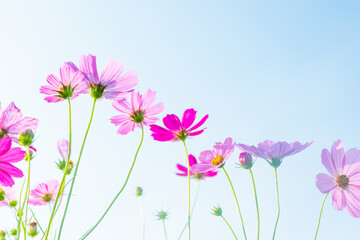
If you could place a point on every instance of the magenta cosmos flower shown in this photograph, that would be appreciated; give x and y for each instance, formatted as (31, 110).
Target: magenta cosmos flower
(111, 84)
(274, 152)
(12, 123)
(10, 193)
(212, 160)
(344, 179)
(184, 171)
(68, 86)
(176, 129)
(44, 193)
(139, 110)
(8, 156)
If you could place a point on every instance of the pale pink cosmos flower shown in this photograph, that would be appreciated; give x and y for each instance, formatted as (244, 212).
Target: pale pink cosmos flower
(44, 193)
(274, 152)
(68, 86)
(111, 84)
(12, 123)
(176, 129)
(10, 193)
(63, 147)
(8, 156)
(184, 171)
(212, 160)
(344, 179)
(139, 110)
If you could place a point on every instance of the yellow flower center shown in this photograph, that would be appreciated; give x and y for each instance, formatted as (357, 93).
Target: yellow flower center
(342, 181)
(47, 197)
(217, 160)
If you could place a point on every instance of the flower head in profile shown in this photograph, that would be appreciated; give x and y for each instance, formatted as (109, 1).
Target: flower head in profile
(10, 193)
(68, 86)
(8, 156)
(12, 123)
(178, 130)
(344, 178)
(63, 147)
(111, 84)
(184, 172)
(162, 215)
(212, 160)
(44, 193)
(136, 112)
(274, 152)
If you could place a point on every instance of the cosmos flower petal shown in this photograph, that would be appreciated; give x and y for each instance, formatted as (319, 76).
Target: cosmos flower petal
(122, 106)
(11, 170)
(352, 204)
(192, 160)
(5, 145)
(338, 154)
(199, 124)
(111, 71)
(135, 101)
(355, 179)
(13, 155)
(206, 157)
(324, 183)
(148, 99)
(5, 179)
(196, 133)
(155, 109)
(172, 122)
(188, 118)
(328, 162)
(338, 199)
(119, 119)
(351, 162)
(87, 65)
(126, 128)
(10, 116)
(201, 168)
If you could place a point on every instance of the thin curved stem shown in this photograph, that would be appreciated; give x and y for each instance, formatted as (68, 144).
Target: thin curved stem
(237, 202)
(123, 187)
(278, 203)
(76, 169)
(62, 184)
(229, 226)
(164, 228)
(28, 185)
(318, 225)
(142, 218)
(257, 205)
(193, 208)
(188, 177)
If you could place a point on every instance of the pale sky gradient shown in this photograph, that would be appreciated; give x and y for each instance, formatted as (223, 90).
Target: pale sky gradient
(279, 70)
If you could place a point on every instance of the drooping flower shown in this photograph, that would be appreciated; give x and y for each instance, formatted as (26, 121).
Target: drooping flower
(68, 86)
(184, 171)
(274, 152)
(8, 156)
(212, 160)
(111, 84)
(176, 129)
(139, 110)
(12, 123)
(344, 179)
(44, 193)
(10, 193)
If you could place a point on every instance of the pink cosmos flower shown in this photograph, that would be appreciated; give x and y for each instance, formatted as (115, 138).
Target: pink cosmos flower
(184, 171)
(10, 195)
(44, 193)
(176, 129)
(9, 155)
(139, 110)
(212, 160)
(344, 179)
(274, 152)
(12, 123)
(69, 85)
(111, 84)
(63, 147)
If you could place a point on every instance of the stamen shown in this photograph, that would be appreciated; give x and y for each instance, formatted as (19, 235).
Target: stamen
(342, 181)
(217, 160)
(47, 197)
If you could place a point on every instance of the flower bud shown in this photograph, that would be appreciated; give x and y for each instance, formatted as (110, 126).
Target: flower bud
(26, 138)
(139, 191)
(2, 235)
(162, 215)
(13, 232)
(13, 203)
(217, 211)
(97, 91)
(2, 195)
(33, 229)
(245, 160)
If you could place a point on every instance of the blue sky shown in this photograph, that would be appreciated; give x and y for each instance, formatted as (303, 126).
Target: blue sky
(280, 70)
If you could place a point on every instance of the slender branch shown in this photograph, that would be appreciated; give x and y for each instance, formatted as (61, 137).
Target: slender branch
(318, 225)
(257, 205)
(229, 226)
(278, 203)
(188, 177)
(164, 228)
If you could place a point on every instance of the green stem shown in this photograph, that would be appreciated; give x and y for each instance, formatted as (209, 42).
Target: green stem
(164, 228)
(188, 177)
(318, 225)
(229, 226)
(193, 208)
(278, 203)
(62, 184)
(142, 218)
(123, 187)
(20, 212)
(28, 184)
(257, 205)
(237, 202)
(76, 169)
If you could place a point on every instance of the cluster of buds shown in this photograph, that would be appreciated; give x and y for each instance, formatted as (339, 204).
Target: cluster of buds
(217, 211)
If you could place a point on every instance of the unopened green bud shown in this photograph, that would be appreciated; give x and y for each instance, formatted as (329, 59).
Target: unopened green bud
(2, 195)
(61, 164)
(97, 91)
(13, 203)
(26, 138)
(13, 232)
(33, 229)
(217, 211)
(139, 191)
(162, 215)
(2, 235)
